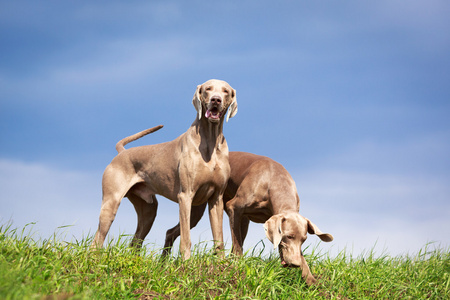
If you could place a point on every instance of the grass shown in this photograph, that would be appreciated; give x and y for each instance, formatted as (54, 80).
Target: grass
(53, 269)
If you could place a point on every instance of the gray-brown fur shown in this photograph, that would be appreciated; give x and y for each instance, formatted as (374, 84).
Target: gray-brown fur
(262, 190)
(193, 169)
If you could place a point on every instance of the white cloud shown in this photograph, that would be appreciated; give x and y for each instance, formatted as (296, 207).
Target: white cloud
(398, 213)
(33, 192)
(392, 215)
(50, 197)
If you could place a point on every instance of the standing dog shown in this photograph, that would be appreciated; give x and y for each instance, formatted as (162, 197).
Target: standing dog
(192, 169)
(261, 190)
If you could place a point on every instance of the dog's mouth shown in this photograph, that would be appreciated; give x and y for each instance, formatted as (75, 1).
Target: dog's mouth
(213, 113)
(283, 261)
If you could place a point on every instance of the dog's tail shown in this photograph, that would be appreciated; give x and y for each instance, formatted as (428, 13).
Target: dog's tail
(120, 145)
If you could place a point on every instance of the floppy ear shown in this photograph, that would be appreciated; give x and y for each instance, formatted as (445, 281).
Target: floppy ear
(232, 110)
(272, 227)
(313, 229)
(196, 101)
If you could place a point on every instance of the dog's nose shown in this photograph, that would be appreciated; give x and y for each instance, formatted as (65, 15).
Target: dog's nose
(216, 99)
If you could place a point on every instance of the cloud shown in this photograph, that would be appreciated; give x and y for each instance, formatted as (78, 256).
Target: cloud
(358, 98)
(419, 154)
(51, 197)
(33, 192)
(392, 215)
(399, 213)
(398, 206)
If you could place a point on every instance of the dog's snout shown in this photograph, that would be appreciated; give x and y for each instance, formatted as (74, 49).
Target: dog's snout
(216, 99)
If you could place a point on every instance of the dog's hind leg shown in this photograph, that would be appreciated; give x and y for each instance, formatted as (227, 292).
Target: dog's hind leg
(146, 214)
(174, 232)
(235, 217)
(115, 185)
(244, 230)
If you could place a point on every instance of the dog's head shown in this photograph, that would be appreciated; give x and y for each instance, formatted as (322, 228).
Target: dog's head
(288, 231)
(213, 98)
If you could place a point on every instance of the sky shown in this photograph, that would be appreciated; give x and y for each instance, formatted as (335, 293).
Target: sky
(352, 98)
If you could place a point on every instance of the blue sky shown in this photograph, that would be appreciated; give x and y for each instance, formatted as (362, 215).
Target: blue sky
(352, 98)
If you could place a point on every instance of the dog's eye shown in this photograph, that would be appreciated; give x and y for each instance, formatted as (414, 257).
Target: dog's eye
(290, 237)
(226, 91)
(209, 88)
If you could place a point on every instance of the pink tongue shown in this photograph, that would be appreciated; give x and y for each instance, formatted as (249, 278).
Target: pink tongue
(208, 114)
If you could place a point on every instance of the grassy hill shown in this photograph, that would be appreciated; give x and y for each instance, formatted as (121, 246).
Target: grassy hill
(53, 269)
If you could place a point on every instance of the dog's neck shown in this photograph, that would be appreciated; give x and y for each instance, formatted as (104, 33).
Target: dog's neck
(285, 206)
(210, 136)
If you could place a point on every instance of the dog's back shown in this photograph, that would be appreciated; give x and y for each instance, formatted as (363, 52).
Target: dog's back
(264, 171)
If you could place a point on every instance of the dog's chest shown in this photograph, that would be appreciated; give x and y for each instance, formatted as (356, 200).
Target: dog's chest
(209, 178)
(216, 172)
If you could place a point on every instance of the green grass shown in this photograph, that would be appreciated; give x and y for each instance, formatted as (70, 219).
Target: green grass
(53, 269)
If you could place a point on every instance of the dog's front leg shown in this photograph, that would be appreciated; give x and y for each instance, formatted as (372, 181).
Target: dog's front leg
(215, 205)
(185, 202)
(306, 272)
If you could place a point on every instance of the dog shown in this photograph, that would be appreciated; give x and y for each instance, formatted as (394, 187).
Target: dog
(262, 191)
(191, 170)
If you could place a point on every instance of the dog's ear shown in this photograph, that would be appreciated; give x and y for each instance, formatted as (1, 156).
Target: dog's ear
(273, 230)
(313, 229)
(197, 102)
(232, 110)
